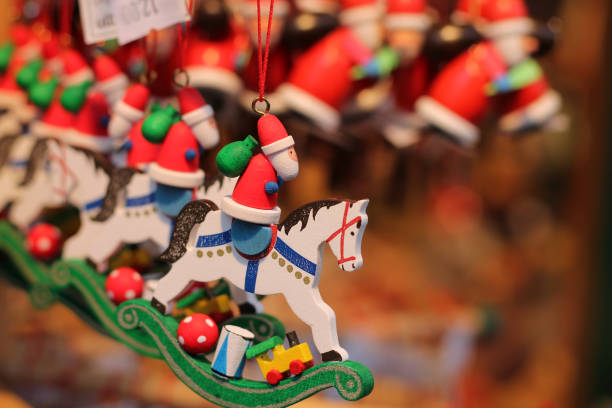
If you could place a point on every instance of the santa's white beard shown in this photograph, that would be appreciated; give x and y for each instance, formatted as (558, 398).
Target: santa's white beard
(369, 33)
(512, 49)
(286, 168)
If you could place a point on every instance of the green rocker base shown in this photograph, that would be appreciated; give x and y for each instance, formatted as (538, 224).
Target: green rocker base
(351, 379)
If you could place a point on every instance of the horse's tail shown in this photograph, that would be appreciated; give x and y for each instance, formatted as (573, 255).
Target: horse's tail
(193, 213)
(37, 156)
(119, 180)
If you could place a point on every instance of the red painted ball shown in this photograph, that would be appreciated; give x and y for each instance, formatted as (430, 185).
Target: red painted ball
(44, 242)
(124, 284)
(197, 333)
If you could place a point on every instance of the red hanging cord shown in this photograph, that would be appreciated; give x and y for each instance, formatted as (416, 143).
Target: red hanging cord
(150, 55)
(263, 63)
(66, 21)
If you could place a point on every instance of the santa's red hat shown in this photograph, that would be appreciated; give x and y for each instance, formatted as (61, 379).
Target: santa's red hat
(26, 43)
(51, 53)
(249, 8)
(76, 70)
(505, 17)
(195, 113)
(359, 11)
(212, 64)
(273, 136)
(467, 12)
(407, 14)
(129, 110)
(110, 80)
(178, 161)
(140, 152)
(56, 122)
(89, 130)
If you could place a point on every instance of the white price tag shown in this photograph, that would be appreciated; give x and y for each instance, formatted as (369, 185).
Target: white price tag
(97, 20)
(128, 20)
(135, 18)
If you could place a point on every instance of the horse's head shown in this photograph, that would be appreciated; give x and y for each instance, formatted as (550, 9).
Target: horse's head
(72, 172)
(345, 242)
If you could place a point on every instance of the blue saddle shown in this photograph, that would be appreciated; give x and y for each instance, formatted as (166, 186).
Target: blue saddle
(251, 239)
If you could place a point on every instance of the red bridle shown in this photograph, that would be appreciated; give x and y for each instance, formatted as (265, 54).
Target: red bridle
(342, 231)
(66, 173)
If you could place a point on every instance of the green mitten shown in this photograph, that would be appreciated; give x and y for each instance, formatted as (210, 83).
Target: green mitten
(6, 52)
(158, 123)
(28, 75)
(73, 97)
(41, 93)
(233, 158)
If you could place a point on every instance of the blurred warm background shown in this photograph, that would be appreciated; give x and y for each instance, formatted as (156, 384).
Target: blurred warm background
(484, 283)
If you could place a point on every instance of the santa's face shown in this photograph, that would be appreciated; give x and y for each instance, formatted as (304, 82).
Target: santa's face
(369, 32)
(285, 163)
(407, 42)
(516, 48)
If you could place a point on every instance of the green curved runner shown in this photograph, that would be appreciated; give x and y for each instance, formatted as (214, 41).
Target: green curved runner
(351, 379)
(90, 285)
(41, 292)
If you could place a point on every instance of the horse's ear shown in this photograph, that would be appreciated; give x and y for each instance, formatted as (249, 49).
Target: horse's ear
(362, 205)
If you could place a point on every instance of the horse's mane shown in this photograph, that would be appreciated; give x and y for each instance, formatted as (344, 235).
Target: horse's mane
(100, 162)
(119, 179)
(6, 143)
(302, 214)
(211, 181)
(193, 213)
(39, 151)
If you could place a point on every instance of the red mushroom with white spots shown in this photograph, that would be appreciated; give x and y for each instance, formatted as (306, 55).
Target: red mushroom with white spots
(44, 242)
(124, 284)
(197, 333)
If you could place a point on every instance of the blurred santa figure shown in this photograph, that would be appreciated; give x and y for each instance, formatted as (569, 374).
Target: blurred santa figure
(460, 95)
(406, 23)
(278, 60)
(323, 77)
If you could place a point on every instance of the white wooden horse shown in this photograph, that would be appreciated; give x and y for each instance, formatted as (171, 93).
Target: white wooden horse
(292, 265)
(117, 206)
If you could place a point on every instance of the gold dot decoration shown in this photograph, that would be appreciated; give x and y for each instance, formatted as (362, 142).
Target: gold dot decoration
(274, 255)
(289, 268)
(220, 252)
(137, 213)
(199, 253)
(128, 214)
(146, 212)
(281, 262)
(210, 254)
(298, 275)
(307, 280)
(228, 249)
(154, 209)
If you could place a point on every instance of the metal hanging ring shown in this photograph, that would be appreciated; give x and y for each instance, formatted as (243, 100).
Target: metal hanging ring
(259, 111)
(177, 74)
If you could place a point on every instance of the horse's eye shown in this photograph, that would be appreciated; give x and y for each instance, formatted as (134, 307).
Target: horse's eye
(352, 232)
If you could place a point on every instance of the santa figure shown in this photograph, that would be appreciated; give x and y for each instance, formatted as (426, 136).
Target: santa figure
(322, 78)
(278, 59)
(177, 169)
(461, 93)
(406, 23)
(253, 204)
